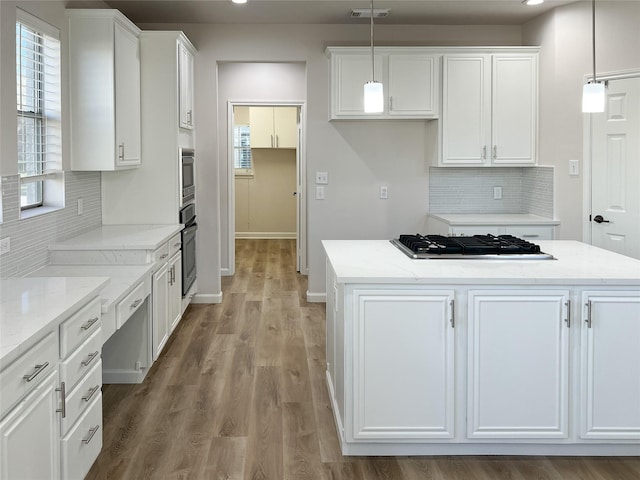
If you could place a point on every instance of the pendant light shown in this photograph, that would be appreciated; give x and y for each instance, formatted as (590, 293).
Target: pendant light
(373, 91)
(593, 94)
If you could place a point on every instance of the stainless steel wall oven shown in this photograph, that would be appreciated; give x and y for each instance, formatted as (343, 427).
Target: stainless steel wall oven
(187, 175)
(188, 218)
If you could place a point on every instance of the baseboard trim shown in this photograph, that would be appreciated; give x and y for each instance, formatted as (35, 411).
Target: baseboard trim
(316, 297)
(266, 235)
(207, 298)
(124, 376)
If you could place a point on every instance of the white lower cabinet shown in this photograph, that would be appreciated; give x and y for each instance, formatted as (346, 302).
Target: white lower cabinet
(30, 446)
(160, 289)
(518, 364)
(610, 366)
(403, 364)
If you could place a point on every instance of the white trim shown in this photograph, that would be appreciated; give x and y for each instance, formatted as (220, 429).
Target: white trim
(207, 298)
(265, 235)
(316, 297)
(40, 26)
(586, 151)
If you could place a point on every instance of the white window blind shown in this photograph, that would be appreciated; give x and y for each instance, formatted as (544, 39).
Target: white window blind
(38, 106)
(242, 147)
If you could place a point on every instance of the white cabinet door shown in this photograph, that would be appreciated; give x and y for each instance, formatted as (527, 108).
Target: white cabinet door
(518, 364)
(261, 125)
(160, 294)
(610, 366)
(466, 109)
(413, 85)
(175, 290)
(514, 109)
(349, 73)
(127, 90)
(185, 86)
(30, 447)
(403, 364)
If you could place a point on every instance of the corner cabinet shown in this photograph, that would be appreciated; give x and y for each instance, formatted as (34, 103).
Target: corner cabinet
(490, 109)
(410, 77)
(104, 86)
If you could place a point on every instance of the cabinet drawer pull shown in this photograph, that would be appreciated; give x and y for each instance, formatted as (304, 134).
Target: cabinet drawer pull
(87, 325)
(90, 358)
(91, 393)
(121, 151)
(179, 244)
(136, 303)
(63, 403)
(163, 256)
(92, 432)
(39, 369)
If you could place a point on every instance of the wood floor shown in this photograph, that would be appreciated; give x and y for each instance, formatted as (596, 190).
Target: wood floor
(239, 393)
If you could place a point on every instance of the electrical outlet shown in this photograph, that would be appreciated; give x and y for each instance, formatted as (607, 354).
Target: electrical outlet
(574, 168)
(80, 206)
(5, 245)
(322, 178)
(319, 193)
(384, 192)
(497, 193)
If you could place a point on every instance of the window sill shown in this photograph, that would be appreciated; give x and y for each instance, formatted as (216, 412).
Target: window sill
(34, 212)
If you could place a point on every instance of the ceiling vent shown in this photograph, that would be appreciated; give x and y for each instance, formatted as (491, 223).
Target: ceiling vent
(366, 13)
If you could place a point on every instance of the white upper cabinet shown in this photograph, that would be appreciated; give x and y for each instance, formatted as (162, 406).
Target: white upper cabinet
(489, 109)
(273, 127)
(104, 86)
(185, 84)
(409, 76)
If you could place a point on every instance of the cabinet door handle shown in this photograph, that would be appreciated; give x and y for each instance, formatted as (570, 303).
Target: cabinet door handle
(121, 151)
(271, 140)
(189, 117)
(173, 274)
(163, 256)
(91, 393)
(38, 370)
(63, 395)
(89, 323)
(390, 103)
(452, 319)
(136, 303)
(277, 141)
(92, 432)
(567, 319)
(495, 151)
(588, 319)
(90, 358)
(484, 152)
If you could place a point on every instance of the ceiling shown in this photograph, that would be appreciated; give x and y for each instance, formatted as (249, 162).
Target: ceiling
(405, 12)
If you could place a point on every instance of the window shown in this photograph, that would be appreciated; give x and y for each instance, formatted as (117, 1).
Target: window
(242, 160)
(38, 107)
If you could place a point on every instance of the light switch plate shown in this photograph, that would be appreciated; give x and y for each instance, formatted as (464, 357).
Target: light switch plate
(319, 193)
(574, 168)
(384, 192)
(497, 193)
(322, 178)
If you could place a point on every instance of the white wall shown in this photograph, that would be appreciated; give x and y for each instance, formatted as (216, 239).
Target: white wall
(565, 37)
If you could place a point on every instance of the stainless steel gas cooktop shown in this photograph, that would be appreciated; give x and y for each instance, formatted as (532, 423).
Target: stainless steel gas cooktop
(477, 247)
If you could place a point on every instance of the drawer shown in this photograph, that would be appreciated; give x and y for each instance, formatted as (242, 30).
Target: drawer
(79, 326)
(23, 375)
(531, 233)
(81, 446)
(80, 362)
(129, 304)
(78, 399)
(161, 254)
(175, 244)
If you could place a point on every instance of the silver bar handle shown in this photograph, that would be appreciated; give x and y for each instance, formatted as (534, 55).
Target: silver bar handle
(91, 393)
(452, 319)
(390, 103)
(179, 244)
(63, 395)
(531, 235)
(173, 275)
(495, 151)
(121, 151)
(89, 323)
(90, 358)
(136, 303)
(272, 140)
(189, 117)
(588, 319)
(567, 318)
(38, 370)
(484, 152)
(92, 432)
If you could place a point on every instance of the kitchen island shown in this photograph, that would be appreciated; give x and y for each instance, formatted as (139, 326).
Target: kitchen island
(442, 357)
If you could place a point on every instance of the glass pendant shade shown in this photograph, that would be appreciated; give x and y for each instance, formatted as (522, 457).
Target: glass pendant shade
(373, 97)
(593, 97)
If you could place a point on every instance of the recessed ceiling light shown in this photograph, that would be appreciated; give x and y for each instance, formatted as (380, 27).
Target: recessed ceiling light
(239, 1)
(532, 2)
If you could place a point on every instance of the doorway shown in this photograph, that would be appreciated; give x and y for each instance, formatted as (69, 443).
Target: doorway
(266, 172)
(612, 151)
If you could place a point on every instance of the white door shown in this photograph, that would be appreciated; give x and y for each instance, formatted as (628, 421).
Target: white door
(615, 170)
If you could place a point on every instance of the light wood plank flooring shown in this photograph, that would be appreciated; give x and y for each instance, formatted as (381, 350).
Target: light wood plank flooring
(239, 393)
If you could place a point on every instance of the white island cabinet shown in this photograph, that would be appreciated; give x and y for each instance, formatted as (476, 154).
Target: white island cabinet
(442, 357)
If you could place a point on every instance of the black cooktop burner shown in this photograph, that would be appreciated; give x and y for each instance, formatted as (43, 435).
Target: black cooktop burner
(477, 246)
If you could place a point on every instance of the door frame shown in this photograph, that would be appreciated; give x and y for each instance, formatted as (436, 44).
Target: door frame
(301, 175)
(587, 132)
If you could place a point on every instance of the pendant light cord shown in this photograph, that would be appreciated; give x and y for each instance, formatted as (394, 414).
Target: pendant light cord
(372, 64)
(593, 37)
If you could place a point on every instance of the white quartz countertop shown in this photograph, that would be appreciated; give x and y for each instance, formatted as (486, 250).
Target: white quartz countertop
(456, 219)
(120, 237)
(123, 278)
(378, 261)
(32, 307)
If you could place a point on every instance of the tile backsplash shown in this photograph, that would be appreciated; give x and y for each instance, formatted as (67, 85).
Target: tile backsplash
(470, 190)
(30, 237)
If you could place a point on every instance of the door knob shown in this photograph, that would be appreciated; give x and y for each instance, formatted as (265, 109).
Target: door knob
(599, 219)
(295, 193)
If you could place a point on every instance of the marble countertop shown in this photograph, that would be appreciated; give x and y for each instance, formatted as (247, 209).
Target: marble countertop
(493, 219)
(32, 307)
(120, 237)
(378, 261)
(123, 278)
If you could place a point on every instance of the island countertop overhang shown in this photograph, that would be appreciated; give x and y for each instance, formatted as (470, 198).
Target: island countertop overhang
(576, 263)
